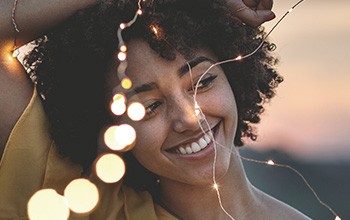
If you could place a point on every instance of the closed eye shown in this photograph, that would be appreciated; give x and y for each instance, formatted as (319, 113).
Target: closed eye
(204, 83)
(152, 108)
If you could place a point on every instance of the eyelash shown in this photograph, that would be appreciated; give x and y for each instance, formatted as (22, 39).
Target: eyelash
(204, 83)
(151, 109)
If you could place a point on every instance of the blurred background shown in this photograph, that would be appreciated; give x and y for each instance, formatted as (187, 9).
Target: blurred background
(307, 125)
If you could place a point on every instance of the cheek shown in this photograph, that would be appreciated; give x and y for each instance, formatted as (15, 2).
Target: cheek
(149, 139)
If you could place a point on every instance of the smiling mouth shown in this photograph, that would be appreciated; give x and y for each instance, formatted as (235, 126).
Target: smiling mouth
(196, 146)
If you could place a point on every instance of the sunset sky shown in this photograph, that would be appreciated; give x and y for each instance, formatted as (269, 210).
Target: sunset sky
(310, 116)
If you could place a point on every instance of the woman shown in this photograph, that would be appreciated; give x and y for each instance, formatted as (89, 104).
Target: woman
(68, 70)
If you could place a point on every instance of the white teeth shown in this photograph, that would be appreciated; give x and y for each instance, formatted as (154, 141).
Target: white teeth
(195, 146)
(202, 143)
(182, 150)
(188, 149)
(207, 138)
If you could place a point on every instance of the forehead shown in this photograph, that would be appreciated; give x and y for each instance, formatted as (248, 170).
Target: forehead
(145, 64)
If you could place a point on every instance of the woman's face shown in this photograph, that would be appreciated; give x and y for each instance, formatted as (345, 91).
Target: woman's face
(169, 140)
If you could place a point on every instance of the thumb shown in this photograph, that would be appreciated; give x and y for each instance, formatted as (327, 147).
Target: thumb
(255, 18)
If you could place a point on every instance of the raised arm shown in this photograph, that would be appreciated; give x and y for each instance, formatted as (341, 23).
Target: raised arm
(32, 18)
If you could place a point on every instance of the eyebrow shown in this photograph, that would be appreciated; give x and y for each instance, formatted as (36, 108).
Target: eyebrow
(191, 64)
(181, 72)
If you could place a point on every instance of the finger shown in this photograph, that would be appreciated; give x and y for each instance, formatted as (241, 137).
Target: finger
(255, 18)
(251, 3)
(265, 5)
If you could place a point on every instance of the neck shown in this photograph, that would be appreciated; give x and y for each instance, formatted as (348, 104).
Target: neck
(201, 201)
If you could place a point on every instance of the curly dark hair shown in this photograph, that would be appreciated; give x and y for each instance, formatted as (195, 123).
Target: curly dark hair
(70, 64)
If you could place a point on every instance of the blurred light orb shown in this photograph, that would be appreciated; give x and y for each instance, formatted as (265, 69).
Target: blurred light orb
(126, 83)
(125, 135)
(136, 111)
(122, 26)
(110, 138)
(118, 106)
(119, 137)
(47, 204)
(123, 48)
(122, 56)
(82, 196)
(110, 168)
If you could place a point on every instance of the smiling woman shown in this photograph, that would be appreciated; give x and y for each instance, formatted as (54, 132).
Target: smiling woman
(179, 152)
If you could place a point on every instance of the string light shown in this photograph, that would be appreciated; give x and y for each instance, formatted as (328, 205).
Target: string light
(270, 162)
(110, 168)
(118, 106)
(238, 58)
(121, 56)
(82, 196)
(126, 83)
(47, 204)
(122, 26)
(136, 111)
(123, 48)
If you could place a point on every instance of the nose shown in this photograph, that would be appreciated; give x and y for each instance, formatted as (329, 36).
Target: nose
(183, 115)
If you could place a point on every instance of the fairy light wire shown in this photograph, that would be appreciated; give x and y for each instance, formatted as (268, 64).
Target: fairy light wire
(270, 163)
(298, 173)
(240, 57)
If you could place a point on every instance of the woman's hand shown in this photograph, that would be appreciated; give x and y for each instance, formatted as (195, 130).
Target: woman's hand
(252, 12)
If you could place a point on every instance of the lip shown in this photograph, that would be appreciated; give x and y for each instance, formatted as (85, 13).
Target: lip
(198, 154)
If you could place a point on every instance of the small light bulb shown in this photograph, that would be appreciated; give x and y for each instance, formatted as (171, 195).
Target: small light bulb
(238, 58)
(121, 56)
(139, 12)
(110, 168)
(270, 162)
(216, 187)
(122, 26)
(290, 10)
(47, 204)
(136, 111)
(126, 83)
(82, 196)
(118, 106)
(197, 110)
(337, 218)
(123, 48)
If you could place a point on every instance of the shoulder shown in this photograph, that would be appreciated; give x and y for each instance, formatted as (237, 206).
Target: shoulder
(15, 93)
(276, 209)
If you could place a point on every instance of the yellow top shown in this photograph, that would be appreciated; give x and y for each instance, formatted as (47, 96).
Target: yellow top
(30, 162)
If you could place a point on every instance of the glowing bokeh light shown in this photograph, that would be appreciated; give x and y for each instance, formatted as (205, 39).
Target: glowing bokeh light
(82, 196)
(139, 12)
(125, 135)
(238, 58)
(136, 111)
(122, 56)
(216, 187)
(110, 168)
(118, 106)
(122, 26)
(110, 138)
(126, 83)
(123, 48)
(270, 162)
(47, 204)
(119, 137)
